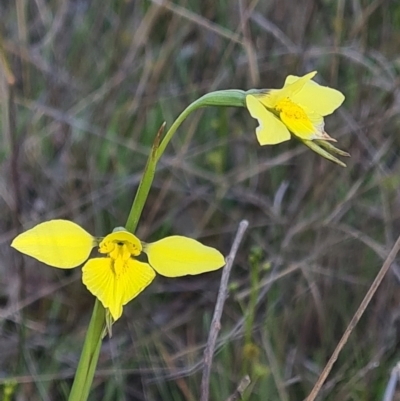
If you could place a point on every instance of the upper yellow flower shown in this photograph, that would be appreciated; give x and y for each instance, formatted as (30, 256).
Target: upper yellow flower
(299, 108)
(119, 277)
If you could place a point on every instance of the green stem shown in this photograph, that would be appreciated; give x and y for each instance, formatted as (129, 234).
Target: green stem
(231, 97)
(91, 349)
(91, 371)
(144, 187)
(90, 353)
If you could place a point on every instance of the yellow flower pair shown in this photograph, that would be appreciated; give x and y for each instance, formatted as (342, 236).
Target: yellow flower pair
(298, 108)
(118, 277)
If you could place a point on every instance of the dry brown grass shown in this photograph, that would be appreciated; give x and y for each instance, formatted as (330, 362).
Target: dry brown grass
(93, 83)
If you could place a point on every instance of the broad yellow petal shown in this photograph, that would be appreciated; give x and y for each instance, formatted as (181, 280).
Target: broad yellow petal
(179, 256)
(321, 99)
(58, 243)
(116, 287)
(270, 130)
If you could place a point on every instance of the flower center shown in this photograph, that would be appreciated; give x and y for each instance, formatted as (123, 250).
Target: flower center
(120, 246)
(291, 110)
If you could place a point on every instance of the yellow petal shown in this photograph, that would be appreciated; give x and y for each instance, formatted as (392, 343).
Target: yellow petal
(296, 85)
(58, 243)
(179, 256)
(304, 123)
(114, 289)
(321, 99)
(299, 127)
(133, 244)
(270, 130)
(268, 98)
(272, 96)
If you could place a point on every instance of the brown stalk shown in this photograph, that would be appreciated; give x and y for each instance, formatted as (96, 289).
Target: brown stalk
(216, 320)
(354, 321)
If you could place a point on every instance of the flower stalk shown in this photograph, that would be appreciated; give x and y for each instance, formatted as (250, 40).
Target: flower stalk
(224, 98)
(119, 276)
(90, 354)
(88, 362)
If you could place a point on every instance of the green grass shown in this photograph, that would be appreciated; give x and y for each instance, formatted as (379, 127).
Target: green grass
(94, 82)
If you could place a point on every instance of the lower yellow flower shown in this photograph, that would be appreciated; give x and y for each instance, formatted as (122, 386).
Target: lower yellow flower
(299, 108)
(118, 277)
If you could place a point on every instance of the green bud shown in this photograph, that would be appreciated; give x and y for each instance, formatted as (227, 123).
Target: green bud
(116, 229)
(228, 98)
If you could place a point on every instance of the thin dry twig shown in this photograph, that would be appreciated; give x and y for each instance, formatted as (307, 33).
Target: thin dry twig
(248, 45)
(199, 20)
(392, 384)
(244, 383)
(356, 318)
(216, 320)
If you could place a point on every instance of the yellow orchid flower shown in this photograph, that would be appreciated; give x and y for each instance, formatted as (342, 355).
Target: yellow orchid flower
(298, 108)
(119, 277)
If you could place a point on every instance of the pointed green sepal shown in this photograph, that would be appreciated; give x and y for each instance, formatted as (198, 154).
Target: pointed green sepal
(333, 149)
(322, 152)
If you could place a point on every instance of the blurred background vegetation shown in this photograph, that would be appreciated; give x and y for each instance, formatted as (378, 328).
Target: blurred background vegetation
(94, 80)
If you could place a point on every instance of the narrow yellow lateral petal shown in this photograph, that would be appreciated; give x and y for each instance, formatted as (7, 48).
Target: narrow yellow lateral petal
(116, 287)
(179, 256)
(321, 99)
(270, 130)
(294, 86)
(272, 96)
(58, 243)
